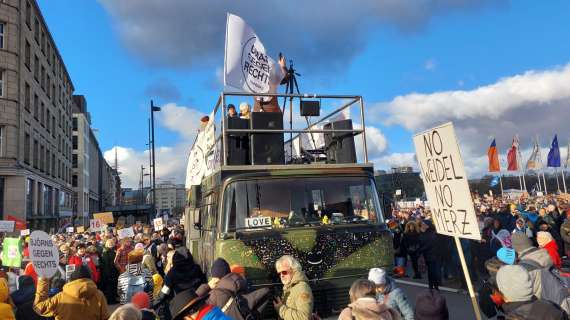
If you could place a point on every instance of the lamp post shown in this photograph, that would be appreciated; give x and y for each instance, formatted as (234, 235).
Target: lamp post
(153, 109)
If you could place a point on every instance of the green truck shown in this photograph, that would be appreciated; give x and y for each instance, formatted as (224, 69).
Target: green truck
(325, 213)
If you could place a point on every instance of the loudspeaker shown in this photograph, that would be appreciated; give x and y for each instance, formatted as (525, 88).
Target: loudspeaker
(340, 145)
(310, 108)
(238, 143)
(267, 147)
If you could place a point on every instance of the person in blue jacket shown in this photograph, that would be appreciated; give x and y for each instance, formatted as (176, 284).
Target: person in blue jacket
(188, 305)
(388, 293)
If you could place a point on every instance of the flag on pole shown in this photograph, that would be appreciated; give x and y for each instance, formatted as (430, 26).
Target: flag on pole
(554, 154)
(512, 163)
(534, 162)
(493, 157)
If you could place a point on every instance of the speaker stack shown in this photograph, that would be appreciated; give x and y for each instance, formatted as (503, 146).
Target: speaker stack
(340, 145)
(267, 147)
(238, 143)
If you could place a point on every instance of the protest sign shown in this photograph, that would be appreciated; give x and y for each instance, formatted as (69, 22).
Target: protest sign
(80, 229)
(96, 225)
(25, 232)
(43, 253)
(158, 224)
(7, 226)
(126, 232)
(105, 217)
(12, 252)
(69, 229)
(445, 182)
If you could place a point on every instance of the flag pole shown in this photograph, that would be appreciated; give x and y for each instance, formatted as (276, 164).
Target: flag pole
(541, 167)
(564, 179)
(501, 182)
(557, 182)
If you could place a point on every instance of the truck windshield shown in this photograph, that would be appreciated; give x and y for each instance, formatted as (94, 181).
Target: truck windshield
(294, 202)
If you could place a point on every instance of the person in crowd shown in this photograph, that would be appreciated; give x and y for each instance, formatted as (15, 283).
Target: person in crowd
(277, 77)
(165, 234)
(400, 253)
(545, 240)
(515, 285)
(109, 272)
(79, 297)
(149, 261)
(431, 250)
(411, 243)
(134, 279)
(388, 293)
(82, 258)
(6, 311)
(126, 312)
(363, 304)
(188, 305)
(232, 111)
(141, 300)
(23, 299)
(431, 305)
(244, 110)
(297, 300)
(565, 233)
(122, 255)
(522, 227)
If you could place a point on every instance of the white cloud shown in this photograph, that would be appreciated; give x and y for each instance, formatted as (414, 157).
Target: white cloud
(430, 65)
(376, 142)
(182, 120)
(395, 160)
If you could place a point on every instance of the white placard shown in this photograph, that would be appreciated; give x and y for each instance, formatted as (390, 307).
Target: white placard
(43, 253)
(399, 192)
(25, 232)
(539, 194)
(126, 232)
(96, 225)
(7, 226)
(69, 229)
(445, 182)
(158, 224)
(258, 222)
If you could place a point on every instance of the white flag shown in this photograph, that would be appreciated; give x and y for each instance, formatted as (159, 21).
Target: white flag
(247, 66)
(534, 162)
(567, 164)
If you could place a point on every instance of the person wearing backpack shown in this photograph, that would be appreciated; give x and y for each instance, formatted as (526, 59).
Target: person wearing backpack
(134, 279)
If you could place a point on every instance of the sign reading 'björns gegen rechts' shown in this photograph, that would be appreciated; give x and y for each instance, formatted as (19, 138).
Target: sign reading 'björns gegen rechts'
(44, 254)
(445, 182)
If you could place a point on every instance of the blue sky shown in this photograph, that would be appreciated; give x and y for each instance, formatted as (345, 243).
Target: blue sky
(426, 49)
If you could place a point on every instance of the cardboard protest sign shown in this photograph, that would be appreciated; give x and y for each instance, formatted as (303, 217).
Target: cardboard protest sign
(25, 232)
(126, 232)
(7, 226)
(445, 182)
(158, 224)
(44, 254)
(80, 229)
(96, 225)
(69, 229)
(105, 217)
(12, 252)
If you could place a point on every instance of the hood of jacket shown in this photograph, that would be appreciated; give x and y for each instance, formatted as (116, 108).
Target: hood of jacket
(26, 291)
(369, 308)
(390, 285)
(232, 282)
(3, 290)
(539, 256)
(80, 289)
(298, 276)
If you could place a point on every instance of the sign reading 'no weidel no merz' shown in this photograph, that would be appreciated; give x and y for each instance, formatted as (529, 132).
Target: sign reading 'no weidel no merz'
(445, 182)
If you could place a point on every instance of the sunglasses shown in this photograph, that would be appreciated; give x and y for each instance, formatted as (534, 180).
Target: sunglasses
(284, 273)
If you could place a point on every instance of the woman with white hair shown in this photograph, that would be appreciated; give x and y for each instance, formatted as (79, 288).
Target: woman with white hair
(126, 312)
(297, 300)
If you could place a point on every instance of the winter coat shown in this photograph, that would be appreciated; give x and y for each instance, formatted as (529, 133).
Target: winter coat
(6, 312)
(411, 243)
(368, 309)
(396, 299)
(78, 261)
(565, 234)
(80, 299)
(107, 264)
(26, 291)
(534, 309)
(184, 274)
(297, 299)
(552, 249)
(133, 270)
(433, 246)
(213, 313)
(544, 284)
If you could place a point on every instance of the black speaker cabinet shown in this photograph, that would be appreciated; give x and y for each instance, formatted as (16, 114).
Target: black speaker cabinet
(267, 147)
(340, 145)
(310, 108)
(238, 143)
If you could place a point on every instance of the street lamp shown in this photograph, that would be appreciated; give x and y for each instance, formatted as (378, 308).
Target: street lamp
(153, 109)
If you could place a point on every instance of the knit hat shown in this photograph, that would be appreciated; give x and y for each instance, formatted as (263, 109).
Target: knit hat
(141, 300)
(543, 237)
(135, 256)
(220, 268)
(80, 272)
(506, 255)
(140, 246)
(520, 242)
(377, 275)
(514, 283)
(430, 305)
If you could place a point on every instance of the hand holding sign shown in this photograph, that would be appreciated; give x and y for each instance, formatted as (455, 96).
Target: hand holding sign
(44, 254)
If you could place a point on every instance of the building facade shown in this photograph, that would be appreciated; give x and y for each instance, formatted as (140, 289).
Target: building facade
(170, 198)
(35, 120)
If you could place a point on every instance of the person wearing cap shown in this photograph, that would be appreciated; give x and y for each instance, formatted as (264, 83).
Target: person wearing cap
(188, 305)
(515, 285)
(79, 299)
(363, 304)
(141, 300)
(387, 292)
(431, 305)
(82, 258)
(297, 300)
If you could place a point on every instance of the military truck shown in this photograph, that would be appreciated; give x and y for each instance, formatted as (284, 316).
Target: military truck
(255, 197)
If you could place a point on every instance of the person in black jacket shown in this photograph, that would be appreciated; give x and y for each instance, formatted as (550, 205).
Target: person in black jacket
(411, 245)
(430, 248)
(185, 274)
(23, 298)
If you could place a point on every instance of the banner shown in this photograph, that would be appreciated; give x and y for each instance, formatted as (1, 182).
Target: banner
(105, 217)
(7, 226)
(44, 254)
(126, 232)
(12, 252)
(445, 182)
(204, 156)
(247, 67)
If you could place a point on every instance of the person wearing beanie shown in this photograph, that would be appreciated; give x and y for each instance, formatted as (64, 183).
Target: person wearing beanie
(515, 284)
(387, 292)
(363, 304)
(220, 268)
(109, 272)
(545, 240)
(141, 300)
(134, 279)
(79, 297)
(431, 305)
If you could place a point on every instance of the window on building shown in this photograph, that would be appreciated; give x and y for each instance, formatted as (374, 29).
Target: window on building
(43, 114)
(42, 158)
(48, 201)
(2, 134)
(53, 126)
(74, 180)
(74, 160)
(74, 142)
(36, 107)
(2, 29)
(27, 147)
(29, 15)
(49, 53)
(2, 81)
(59, 168)
(37, 30)
(43, 41)
(53, 171)
(48, 127)
(27, 96)
(43, 78)
(48, 85)
(36, 154)
(27, 55)
(74, 121)
(53, 93)
(48, 161)
(29, 197)
(39, 198)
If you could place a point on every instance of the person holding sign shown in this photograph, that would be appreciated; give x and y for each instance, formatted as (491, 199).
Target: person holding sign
(80, 299)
